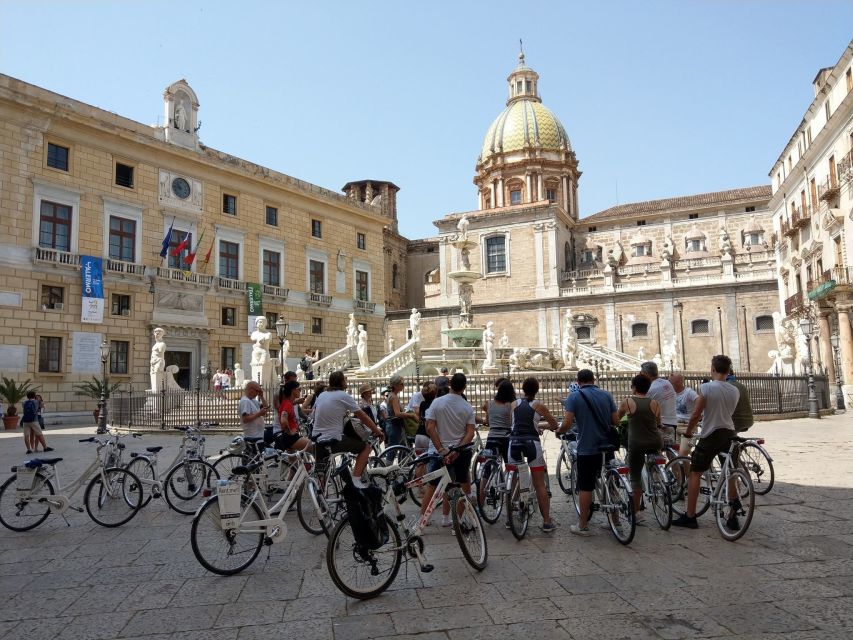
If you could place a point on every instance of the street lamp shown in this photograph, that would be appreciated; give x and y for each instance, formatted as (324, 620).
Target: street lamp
(806, 330)
(102, 404)
(834, 340)
(281, 331)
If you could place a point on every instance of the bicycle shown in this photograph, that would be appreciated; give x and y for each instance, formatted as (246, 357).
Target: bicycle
(351, 564)
(613, 496)
(187, 477)
(491, 485)
(28, 497)
(230, 528)
(520, 505)
(656, 491)
(758, 463)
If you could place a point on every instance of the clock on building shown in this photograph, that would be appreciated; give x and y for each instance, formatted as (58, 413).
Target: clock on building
(181, 188)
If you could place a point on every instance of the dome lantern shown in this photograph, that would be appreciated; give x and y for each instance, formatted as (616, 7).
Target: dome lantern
(523, 83)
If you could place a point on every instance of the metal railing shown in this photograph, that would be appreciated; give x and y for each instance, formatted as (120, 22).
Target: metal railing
(276, 292)
(320, 298)
(126, 268)
(57, 257)
(179, 275)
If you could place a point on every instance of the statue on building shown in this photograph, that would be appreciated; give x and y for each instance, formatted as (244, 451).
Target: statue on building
(239, 376)
(668, 249)
(725, 242)
(352, 331)
(341, 261)
(261, 363)
(361, 349)
(570, 341)
(415, 324)
(390, 344)
(504, 340)
(670, 353)
(658, 360)
(465, 255)
(786, 336)
(181, 117)
(158, 360)
(462, 227)
(489, 348)
(802, 343)
(641, 354)
(171, 383)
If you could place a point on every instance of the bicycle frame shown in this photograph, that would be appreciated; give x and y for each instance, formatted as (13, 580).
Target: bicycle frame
(437, 496)
(51, 472)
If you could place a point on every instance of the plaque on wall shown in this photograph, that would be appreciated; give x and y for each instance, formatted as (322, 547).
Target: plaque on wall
(86, 352)
(13, 357)
(296, 327)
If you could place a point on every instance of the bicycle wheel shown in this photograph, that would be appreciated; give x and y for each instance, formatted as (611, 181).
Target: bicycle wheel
(659, 496)
(468, 529)
(564, 472)
(312, 510)
(489, 491)
(676, 475)
(573, 487)
(416, 493)
(360, 572)
(113, 497)
(755, 461)
(517, 513)
(396, 454)
(142, 468)
(227, 462)
(229, 551)
(23, 514)
(620, 507)
(186, 484)
(733, 509)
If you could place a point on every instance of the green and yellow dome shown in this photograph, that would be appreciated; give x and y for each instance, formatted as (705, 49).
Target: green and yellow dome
(525, 123)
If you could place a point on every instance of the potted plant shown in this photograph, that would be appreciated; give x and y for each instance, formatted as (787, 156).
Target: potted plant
(13, 393)
(93, 389)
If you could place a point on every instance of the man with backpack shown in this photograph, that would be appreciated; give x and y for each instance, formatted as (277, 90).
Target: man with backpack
(30, 422)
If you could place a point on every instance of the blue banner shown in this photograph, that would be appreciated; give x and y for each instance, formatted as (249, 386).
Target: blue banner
(92, 276)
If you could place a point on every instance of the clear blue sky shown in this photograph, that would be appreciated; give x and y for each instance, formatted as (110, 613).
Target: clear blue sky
(665, 98)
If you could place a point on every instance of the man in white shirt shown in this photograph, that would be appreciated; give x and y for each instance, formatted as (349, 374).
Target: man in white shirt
(685, 398)
(450, 422)
(253, 410)
(662, 392)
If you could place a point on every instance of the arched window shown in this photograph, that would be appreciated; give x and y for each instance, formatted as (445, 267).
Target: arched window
(394, 276)
(640, 330)
(700, 327)
(764, 323)
(584, 333)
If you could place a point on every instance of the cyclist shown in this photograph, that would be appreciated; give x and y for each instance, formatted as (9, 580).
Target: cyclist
(450, 422)
(742, 416)
(330, 409)
(524, 444)
(498, 417)
(288, 437)
(663, 392)
(717, 399)
(644, 435)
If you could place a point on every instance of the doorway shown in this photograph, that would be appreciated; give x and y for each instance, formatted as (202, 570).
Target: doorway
(183, 360)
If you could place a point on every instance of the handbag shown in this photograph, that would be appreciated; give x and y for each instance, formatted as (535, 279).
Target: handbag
(610, 432)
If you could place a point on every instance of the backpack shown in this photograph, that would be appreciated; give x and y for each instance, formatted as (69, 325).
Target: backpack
(30, 411)
(366, 514)
(303, 364)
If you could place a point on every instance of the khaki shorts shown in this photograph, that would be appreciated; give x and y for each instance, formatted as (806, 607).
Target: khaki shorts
(32, 428)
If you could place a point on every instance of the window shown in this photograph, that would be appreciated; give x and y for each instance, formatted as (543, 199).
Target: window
(693, 216)
(591, 229)
(700, 327)
(641, 223)
(57, 156)
(272, 216)
(316, 229)
(362, 291)
(179, 238)
(272, 268)
(52, 297)
(55, 226)
(551, 194)
(584, 333)
(515, 196)
(124, 175)
(496, 254)
(750, 209)
(316, 326)
(229, 204)
(119, 355)
(848, 77)
(229, 317)
(272, 318)
(122, 239)
(226, 358)
(640, 250)
(764, 323)
(588, 256)
(640, 330)
(229, 260)
(317, 276)
(50, 354)
(694, 245)
(754, 238)
(120, 304)
(394, 276)
(361, 241)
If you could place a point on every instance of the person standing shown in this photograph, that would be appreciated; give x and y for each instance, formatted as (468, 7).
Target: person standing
(685, 398)
(716, 403)
(442, 381)
(395, 426)
(30, 422)
(662, 391)
(253, 410)
(742, 415)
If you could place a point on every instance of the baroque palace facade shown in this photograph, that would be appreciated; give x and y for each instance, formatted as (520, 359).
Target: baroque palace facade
(78, 184)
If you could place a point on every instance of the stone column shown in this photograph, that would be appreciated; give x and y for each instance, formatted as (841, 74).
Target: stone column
(845, 338)
(529, 185)
(500, 192)
(540, 190)
(564, 192)
(539, 259)
(493, 203)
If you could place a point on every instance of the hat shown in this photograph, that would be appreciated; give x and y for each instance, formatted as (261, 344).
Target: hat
(364, 389)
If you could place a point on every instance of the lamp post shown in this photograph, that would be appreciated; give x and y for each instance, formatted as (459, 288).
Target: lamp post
(102, 404)
(806, 330)
(834, 340)
(281, 331)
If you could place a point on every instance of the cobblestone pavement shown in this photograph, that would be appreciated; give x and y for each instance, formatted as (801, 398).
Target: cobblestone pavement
(790, 577)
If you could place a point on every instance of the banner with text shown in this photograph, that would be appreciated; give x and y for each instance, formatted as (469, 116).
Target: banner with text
(91, 270)
(254, 303)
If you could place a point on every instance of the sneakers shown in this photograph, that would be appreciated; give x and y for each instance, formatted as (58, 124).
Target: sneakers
(684, 521)
(507, 525)
(732, 524)
(578, 531)
(640, 520)
(29, 451)
(446, 521)
(549, 527)
(48, 449)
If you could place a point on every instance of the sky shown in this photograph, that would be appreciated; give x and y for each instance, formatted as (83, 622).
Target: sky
(659, 98)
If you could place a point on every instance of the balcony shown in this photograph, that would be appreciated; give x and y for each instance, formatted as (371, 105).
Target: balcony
(178, 275)
(320, 298)
(829, 191)
(364, 306)
(789, 230)
(819, 289)
(56, 258)
(119, 267)
(803, 217)
(580, 274)
(228, 284)
(276, 292)
(794, 304)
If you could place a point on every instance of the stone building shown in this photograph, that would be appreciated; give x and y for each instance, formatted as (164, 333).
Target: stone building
(78, 182)
(699, 269)
(812, 207)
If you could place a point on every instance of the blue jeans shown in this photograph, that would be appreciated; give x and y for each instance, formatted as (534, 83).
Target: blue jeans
(394, 431)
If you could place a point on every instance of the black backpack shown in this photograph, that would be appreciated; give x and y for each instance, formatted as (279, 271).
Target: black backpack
(365, 512)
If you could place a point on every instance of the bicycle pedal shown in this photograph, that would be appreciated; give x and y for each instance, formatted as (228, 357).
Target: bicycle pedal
(268, 541)
(427, 568)
(156, 495)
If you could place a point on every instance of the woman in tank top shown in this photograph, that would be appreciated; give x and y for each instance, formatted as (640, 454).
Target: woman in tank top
(644, 435)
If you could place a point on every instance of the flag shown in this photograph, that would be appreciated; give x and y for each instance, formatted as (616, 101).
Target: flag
(167, 240)
(182, 245)
(191, 255)
(207, 255)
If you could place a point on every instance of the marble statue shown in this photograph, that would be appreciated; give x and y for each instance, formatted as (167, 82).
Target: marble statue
(462, 227)
(415, 324)
(158, 360)
(171, 383)
(352, 331)
(489, 348)
(361, 349)
(180, 117)
(670, 353)
(504, 340)
(802, 343)
(725, 242)
(390, 344)
(262, 365)
(540, 361)
(465, 291)
(570, 341)
(465, 254)
(282, 357)
(668, 249)
(641, 354)
(785, 336)
(518, 359)
(658, 360)
(239, 376)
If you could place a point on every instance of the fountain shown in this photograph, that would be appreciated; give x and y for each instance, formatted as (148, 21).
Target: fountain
(464, 335)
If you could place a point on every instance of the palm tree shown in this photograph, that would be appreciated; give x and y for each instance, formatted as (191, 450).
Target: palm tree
(94, 388)
(13, 393)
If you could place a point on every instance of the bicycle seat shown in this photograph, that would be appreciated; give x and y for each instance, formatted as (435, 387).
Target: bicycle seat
(606, 448)
(253, 439)
(35, 463)
(244, 470)
(153, 449)
(739, 439)
(383, 471)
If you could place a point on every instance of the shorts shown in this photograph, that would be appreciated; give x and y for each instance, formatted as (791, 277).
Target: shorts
(458, 469)
(269, 435)
(667, 432)
(708, 447)
(529, 450)
(498, 446)
(589, 467)
(346, 444)
(636, 460)
(421, 444)
(31, 428)
(284, 441)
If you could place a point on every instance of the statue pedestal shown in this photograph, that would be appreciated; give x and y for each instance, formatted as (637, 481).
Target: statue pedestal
(263, 373)
(490, 369)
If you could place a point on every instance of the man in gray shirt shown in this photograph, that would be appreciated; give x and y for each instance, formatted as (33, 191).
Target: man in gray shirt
(253, 410)
(662, 392)
(717, 401)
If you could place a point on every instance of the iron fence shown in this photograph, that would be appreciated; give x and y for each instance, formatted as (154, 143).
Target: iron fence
(769, 394)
